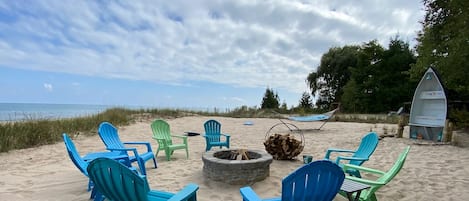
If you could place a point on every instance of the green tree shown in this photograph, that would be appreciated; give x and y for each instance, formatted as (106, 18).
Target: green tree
(393, 77)
(380, 81)
(270, 100)
(444, 45)
(332, 74)
(365, 79)
(284, 107)
(306, 102)
(350, 100)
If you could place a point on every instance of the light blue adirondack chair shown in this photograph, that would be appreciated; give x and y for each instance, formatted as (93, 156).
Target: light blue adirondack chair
(367, 146)
(213, 135)
(119, 183)
(317, 181)
(79, 163)
(110, 137)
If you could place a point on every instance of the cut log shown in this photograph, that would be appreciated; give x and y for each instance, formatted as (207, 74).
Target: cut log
(283, 147)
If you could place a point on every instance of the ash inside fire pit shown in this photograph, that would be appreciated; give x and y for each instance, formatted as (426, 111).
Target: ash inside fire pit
(237, 166)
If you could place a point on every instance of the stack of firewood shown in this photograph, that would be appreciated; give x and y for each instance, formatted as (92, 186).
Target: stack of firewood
(283, 147)
(240, 154)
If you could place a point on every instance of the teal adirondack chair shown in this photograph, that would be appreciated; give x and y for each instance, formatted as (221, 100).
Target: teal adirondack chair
(162, 134)
(385, 177)
(316, 181)
(108, 134)
(213, 135)
(367, 146)
(119, 183)
(79, 163)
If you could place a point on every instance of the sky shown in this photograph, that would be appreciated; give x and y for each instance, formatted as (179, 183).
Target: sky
(179, 53)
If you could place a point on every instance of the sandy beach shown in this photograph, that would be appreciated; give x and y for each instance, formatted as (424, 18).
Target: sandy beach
(430, 172)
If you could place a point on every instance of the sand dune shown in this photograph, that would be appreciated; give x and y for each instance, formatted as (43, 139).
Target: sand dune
(430, 173)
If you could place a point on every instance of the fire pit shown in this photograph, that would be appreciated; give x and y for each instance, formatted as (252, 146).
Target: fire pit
(237, 166)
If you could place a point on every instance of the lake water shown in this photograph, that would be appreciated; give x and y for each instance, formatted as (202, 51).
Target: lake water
(29, 111)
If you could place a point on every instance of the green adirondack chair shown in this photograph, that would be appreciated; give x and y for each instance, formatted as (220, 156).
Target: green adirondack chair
(162, 134)
(385, 177)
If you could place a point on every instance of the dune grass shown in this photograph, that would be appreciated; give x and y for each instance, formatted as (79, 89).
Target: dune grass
(34, 132)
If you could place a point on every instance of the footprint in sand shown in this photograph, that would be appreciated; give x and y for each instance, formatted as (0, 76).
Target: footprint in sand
(215, 197)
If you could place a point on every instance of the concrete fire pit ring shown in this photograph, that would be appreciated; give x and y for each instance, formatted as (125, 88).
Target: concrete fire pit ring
(237, 171)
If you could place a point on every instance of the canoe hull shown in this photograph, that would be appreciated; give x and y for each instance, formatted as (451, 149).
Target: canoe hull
(429, 108)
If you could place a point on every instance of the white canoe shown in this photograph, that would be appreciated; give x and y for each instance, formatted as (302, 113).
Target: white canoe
(429, 108)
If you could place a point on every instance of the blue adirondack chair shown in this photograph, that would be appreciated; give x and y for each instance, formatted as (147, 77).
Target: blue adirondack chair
(319, 181)
(119, 183)
(213, 135)
(79, 163)
(110, 137)
(367, 146)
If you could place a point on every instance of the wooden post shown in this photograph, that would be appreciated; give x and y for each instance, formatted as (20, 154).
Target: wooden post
(400, 125)
(447, 132)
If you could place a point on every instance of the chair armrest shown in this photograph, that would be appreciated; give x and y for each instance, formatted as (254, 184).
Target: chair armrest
(156, 195)
(349, 158)
(329, 151)
(361, 168)
(121, 149)
(147, 144)
(227, 137)
(365, 181)
(189, 191)
(184, 138)
(134, 150)
(248, 194)
(179, 136)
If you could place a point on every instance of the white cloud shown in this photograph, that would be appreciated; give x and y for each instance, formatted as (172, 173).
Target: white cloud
(48, 87)
(234, 99)
(241, 43)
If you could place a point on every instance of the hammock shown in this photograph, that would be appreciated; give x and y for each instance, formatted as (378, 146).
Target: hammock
(317, 117)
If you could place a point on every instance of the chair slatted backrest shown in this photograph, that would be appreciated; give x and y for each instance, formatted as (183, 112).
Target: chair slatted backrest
(109, 135)
(117, 182)
(161, 132)
(212, 130)
(396, 167)
(74, 155)
(388, 176)
(319, 181)
(367, 147)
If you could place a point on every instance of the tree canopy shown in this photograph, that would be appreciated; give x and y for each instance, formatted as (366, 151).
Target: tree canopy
(366, 78)
(380, 81)
(270, 100)
(444, 45)
(332, 74)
